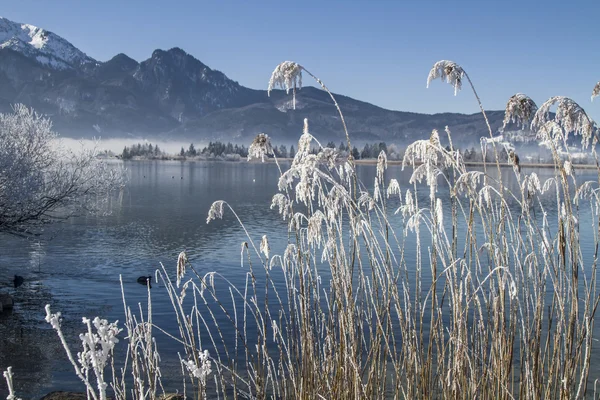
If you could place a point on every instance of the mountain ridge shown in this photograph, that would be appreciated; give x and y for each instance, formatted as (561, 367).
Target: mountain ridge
(174, 95)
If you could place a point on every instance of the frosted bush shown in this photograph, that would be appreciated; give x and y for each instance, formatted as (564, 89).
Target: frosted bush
(41, 181)
(97, 349)
(201, 370)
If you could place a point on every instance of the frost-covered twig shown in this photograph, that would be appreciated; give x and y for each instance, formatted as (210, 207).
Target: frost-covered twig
(8, 375)
(54, 321)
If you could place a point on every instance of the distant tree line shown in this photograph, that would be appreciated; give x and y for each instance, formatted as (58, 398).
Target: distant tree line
(221, 150)
(146, 150)
(215, 149)
(234, 152)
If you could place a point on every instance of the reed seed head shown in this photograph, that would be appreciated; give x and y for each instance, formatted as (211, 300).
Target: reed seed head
(215, 211)
(596, 91)
(381, 165)
(181, 262)
(520, 109)
(260, 146)
(448, 71)
(264, 246)
(287, 75)
(393, 188)
(570, 117)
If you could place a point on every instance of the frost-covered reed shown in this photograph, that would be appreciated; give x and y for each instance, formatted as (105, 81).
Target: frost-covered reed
(8, 375)
(520, 109)
(569, 116)
(596, 91)
(448, 71)
(343, 311)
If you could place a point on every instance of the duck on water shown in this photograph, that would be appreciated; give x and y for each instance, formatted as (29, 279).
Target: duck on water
(145, 280)
(18, 281)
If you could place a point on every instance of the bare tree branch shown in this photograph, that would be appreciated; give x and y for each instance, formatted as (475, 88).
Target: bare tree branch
(40, 181)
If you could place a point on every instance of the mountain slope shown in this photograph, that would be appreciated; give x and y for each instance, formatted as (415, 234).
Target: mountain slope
(174, 95)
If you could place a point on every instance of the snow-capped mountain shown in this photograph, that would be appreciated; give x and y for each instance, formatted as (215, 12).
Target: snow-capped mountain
(174, 94)
(45, 47)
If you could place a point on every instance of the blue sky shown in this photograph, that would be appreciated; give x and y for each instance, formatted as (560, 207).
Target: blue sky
(376, 51)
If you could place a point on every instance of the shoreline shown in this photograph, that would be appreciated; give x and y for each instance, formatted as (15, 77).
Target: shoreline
(371, 161)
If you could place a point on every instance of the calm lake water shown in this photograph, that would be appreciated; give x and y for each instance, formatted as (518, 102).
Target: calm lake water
(163, 211)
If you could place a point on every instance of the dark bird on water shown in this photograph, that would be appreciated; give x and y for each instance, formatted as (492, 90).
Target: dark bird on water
(18, 281)
(145, 280)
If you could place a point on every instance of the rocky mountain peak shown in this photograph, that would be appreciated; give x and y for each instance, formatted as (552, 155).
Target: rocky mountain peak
(43, 46)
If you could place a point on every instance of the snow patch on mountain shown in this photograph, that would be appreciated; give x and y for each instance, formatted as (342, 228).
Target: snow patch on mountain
(290, 104)
(43, 46)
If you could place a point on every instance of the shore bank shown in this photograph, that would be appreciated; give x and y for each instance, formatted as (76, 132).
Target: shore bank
(371, 161)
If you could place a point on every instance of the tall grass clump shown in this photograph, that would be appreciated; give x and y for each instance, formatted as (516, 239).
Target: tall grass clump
(454, 284)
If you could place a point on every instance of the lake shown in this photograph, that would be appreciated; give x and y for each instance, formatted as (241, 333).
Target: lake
(162, 211)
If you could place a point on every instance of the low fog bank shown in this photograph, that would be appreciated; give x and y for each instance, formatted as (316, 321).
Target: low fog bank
(116, 145)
